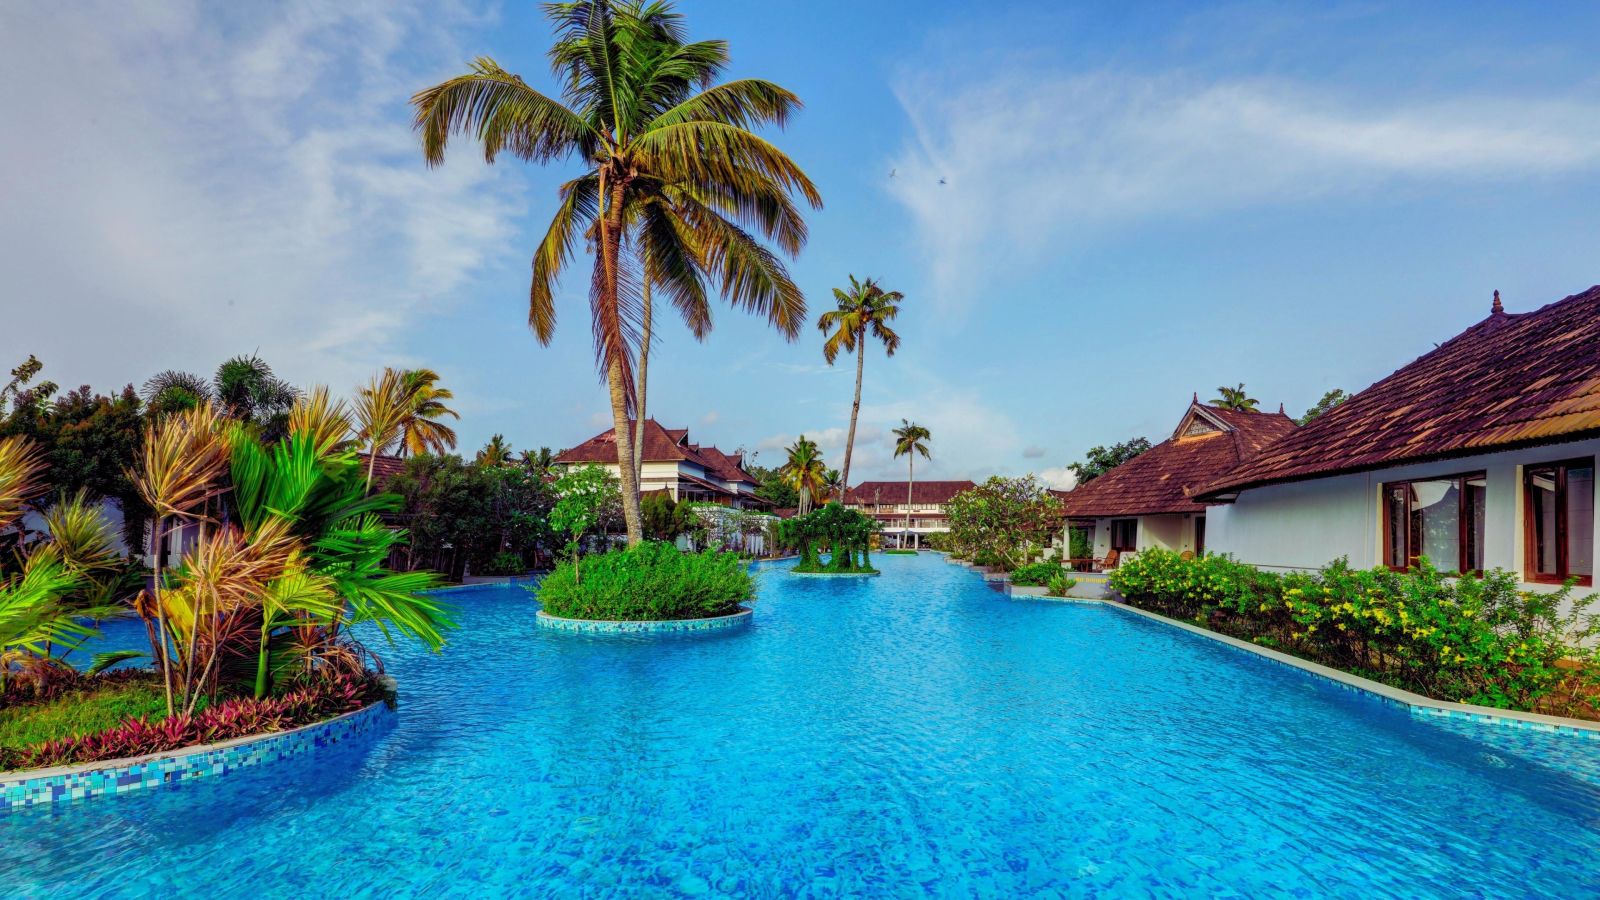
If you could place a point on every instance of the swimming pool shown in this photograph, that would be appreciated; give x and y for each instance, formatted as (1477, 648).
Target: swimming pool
(906, 735)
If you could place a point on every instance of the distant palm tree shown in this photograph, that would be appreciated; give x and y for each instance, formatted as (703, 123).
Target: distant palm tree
(494, 454)
(804, 471)
(420, 428)
(866, 308)
(539, 461)
(380, 409)
(673, 169)
(248, 392)
(1235, 398)
(909, 440)
(832, 482)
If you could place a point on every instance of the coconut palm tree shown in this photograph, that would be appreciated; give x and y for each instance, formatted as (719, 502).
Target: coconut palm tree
(865, 309)
(494, 454)
(804, 471)
(1235, 398)
(832, 482)
(909, 440)
(380, 411)
(420, 428)
(674, 173)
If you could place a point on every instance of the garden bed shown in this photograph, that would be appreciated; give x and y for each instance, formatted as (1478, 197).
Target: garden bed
(653, 582)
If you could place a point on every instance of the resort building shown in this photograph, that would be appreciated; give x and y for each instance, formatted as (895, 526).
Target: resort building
(1478, 455)
(673, 463)
(1149, 501)
(887, 502)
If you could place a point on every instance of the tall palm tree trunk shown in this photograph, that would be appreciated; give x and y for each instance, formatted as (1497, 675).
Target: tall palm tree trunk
(855, 410)
(643, 387)
(610, 245)
(911, 480)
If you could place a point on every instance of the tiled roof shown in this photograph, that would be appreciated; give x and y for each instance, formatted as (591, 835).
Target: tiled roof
(1164, 478)
(660, 445)
(384, 469)
(1513, 379)
(868, 493)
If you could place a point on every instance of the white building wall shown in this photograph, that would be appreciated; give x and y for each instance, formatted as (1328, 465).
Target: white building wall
(1306, 524)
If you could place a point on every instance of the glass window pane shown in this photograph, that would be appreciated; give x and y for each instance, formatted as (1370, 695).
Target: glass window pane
(1477, 498)
(1580, 521)
(1396, 509)
(1541, 489)
(1436, 522)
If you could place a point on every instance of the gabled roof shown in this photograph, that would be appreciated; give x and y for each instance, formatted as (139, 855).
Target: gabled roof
(660, 445)
(868, 493)
(1511, 380)
(1208, 442)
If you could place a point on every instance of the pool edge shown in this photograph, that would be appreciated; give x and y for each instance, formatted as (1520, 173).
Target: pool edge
(61, 784)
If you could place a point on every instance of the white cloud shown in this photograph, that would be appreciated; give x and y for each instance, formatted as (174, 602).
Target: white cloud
(1032, 160)
(183, 183)
(1059, 477)
(710, 418)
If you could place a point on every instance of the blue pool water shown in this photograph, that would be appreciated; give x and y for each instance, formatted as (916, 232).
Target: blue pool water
(915, 734)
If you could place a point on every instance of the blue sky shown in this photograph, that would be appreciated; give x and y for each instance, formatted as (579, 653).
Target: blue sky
(1141, 201)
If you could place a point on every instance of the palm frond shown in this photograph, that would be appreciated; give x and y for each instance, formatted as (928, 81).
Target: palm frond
(579, 205)
(503, 113)
(22, 469)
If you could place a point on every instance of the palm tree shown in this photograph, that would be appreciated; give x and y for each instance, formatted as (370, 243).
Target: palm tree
(420, 428)
(832, 482)
(247, 391)
(380, 410)
(672, 166)
(909, 440)
(1235, 398)
(494, 454)
(804, 471)
(867, 308)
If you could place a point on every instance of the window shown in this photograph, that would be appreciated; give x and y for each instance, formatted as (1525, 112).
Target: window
(1440, 518)
(1199, 535)
(1125, 535)
(1558, 521)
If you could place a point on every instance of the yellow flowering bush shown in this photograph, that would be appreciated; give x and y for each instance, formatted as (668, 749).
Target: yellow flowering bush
(1476, 640)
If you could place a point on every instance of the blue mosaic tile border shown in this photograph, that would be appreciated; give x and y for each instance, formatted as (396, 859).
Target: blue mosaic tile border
(62, 784)
(836, 574)
(601, 626)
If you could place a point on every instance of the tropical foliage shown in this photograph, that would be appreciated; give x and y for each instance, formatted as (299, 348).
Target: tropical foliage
(1468, 639)
(845, 534)
(422, 429)
(1235, 398)
(1036, 574)
(911, 439)
(1100, 460)
(864, 310)
(585, 497)
(1329, 401)
(805, 473)
(649, 581)
(675, 180)
(1003, 521)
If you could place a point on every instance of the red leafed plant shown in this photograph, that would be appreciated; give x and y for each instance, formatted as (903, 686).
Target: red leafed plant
(322, 699)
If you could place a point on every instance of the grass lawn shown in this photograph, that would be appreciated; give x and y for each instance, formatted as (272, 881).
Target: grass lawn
(84, 711)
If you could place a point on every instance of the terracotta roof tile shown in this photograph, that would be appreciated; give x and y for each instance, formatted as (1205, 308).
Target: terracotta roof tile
(660, 445)
(868, 493)
(384, 469)
(1164, 478)
(1509, 380)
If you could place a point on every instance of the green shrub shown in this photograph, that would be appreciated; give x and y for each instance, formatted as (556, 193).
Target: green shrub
(1061, 583)
(651, 581)
(1470, 639)
(990, 559)
(1035, 574)
(898, 552)
(504, 563)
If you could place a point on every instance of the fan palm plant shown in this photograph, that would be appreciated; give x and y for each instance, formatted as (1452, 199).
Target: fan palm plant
(865, 309)
(421, 430)
(909, 440)
(804, 471)
(673, 165)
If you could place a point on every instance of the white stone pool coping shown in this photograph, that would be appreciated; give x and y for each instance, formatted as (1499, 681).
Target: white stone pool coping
(59, 784)
(646, 626)
(1417, 704)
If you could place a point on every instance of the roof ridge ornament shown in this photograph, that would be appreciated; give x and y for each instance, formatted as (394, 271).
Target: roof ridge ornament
(1497, 309)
